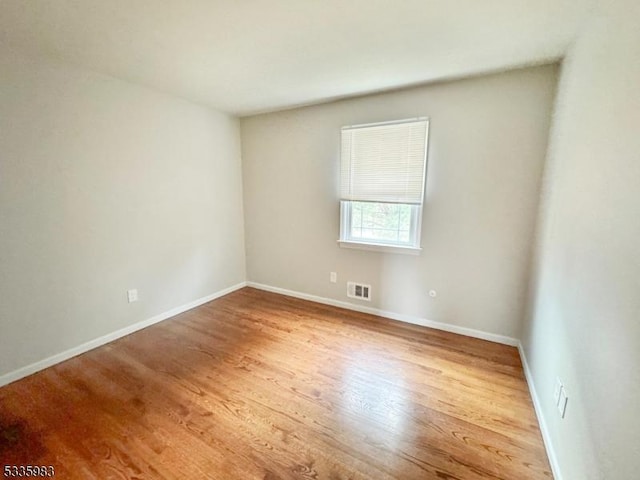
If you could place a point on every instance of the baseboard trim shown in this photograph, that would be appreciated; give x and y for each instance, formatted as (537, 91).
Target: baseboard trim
(98, 342)
(469, 332)
(546, 436)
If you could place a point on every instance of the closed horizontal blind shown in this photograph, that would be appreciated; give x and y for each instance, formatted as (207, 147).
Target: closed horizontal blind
(384, 162)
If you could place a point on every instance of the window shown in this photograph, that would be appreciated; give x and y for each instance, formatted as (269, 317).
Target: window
(382, 185)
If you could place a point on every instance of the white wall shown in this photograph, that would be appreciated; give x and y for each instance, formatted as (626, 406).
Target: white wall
(106, 186)
(583, 321)
(488, 139)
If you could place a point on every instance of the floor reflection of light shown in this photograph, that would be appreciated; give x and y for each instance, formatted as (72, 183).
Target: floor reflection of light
(375, 402)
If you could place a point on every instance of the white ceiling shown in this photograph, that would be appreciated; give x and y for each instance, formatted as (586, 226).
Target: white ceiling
(247, 56)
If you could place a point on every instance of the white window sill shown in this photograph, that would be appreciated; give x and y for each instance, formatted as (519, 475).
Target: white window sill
(380, 247)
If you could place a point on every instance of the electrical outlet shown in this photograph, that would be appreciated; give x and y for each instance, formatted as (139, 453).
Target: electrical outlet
(132, 295)
(562, 402)
(556, 391)
(333, 277)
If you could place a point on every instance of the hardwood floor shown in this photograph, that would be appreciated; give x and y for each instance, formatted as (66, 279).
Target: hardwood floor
(255, 385)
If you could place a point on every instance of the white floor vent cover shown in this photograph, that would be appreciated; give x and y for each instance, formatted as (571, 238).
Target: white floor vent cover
(358, 290)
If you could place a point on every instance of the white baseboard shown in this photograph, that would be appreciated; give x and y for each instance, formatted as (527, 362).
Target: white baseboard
(546, 436)
(90, 345)
(469, 332)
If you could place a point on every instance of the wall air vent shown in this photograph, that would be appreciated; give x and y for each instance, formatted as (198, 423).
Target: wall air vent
(358, 290)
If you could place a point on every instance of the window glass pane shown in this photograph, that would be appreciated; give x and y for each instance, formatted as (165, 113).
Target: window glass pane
(356, 219)
(381, 222)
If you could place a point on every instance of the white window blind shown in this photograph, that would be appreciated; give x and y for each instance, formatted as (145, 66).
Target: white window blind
(384, 162)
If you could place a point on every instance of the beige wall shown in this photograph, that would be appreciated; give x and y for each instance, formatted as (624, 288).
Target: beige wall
(583, 322)
(106, 186)
(488, 139)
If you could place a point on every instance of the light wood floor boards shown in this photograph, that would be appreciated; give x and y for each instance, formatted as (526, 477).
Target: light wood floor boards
(255, 385)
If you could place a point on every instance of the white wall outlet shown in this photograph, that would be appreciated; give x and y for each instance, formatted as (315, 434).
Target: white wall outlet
(433, 293)
(562, 402)
(333, 277)
(556, 391)
(132, 295)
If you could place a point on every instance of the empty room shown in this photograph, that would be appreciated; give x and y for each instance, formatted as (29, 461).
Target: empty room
(298, 239)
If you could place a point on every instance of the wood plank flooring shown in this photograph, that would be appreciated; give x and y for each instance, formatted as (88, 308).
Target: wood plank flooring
(256, 385)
